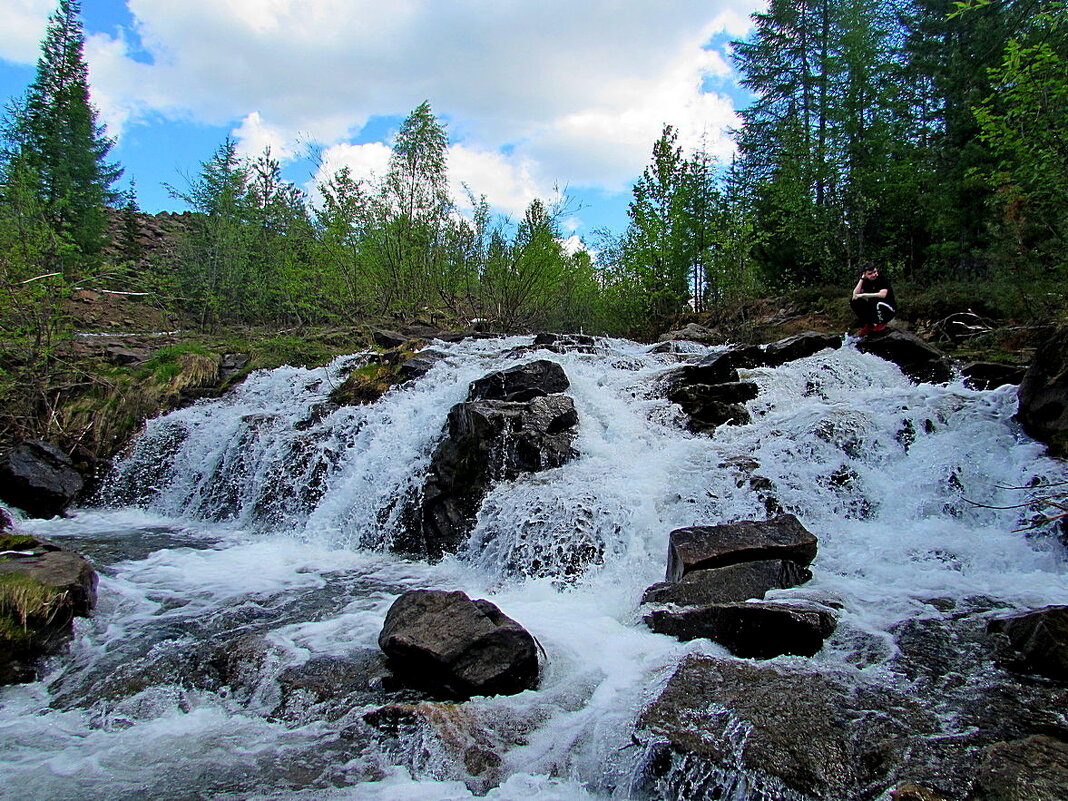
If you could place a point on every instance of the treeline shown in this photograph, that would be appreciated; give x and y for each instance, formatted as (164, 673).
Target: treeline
(928, 136)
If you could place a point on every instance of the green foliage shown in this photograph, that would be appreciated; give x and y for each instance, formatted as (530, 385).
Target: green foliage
(54, 135)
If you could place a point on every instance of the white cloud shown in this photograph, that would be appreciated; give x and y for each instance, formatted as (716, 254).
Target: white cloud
(23, 29)
(536, 94)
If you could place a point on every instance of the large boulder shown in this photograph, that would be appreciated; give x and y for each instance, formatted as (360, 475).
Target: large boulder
(43, 587)
(486, 441)
(1043, 394)
(918, 360)
(445, 643)
(39, 478)
(991, 375)
(1039, 639)
(703, 547)
(732, 584)
(521, 383)
(759, 630)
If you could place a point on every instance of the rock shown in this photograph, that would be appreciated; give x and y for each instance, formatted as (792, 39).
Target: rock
(485, 442)
(732, 584)
(758, 630)
(991, 375)
(693, 333)
(719, 368)
(799, 347)
(1033, 769)
(732, 729)
(39, 478)
(332, 685)
(231, 365)
(125, 357)
(418, 365)
(1043, 394)
(445, 642)
(523, 382)
(386, 339)
(918, 360)
(703, 547)
(907, 791)
(40, 595)
(1040, 639)
(709, 406)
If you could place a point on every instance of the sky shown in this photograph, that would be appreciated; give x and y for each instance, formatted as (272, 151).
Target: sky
(540, 98)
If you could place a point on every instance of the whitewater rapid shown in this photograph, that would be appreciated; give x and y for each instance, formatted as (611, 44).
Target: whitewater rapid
(270, 512)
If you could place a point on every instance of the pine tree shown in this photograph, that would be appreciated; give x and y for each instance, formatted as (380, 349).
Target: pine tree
(55, 131)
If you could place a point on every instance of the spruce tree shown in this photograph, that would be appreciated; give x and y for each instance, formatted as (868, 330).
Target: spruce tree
(55, 131)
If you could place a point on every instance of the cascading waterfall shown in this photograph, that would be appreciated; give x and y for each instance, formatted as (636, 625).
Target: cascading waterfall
(245, 539)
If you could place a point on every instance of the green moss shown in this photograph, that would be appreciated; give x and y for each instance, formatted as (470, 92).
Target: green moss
(16, 542)
(292, 350)
(365, 384)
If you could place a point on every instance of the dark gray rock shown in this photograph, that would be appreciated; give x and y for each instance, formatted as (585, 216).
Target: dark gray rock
(694, 396)
(991, 375)
(485, 442)
(446, 643)
(718, 368)
(384, 338)
(732, 584)
(418, 365)
(918, 360)
(1040, 639)
(703, 547)
(759, 630)
(799, 347)
(125, 357)
(1043, 394)
(1033, 769)
(734, 729)
(39, 478)
(523, 382)
(693, 332)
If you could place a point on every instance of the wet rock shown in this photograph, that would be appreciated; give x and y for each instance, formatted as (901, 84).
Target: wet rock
(718, 368)
(1033, 769)
(758, 630)
(231, 365)
(732, 729)
(709, 406)
(523, 382)
(991, 375)
(330, 686)
(39, 478)
(1043, 394)
(799, 346)
(907, 791)
(43, 587)
(1040, 639)
(486, 441)
(418, 365)
(918, 360)
(446, 643)
(703, 547)
(125, 357)
(732, 584)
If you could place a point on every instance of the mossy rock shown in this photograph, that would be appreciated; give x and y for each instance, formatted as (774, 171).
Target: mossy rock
(42, 589)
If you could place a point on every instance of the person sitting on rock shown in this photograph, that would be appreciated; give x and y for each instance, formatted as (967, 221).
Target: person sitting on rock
(873, 300)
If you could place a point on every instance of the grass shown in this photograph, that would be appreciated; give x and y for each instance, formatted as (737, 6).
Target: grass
(24, 601)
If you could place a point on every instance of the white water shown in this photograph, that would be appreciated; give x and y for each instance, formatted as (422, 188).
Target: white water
(265, 518)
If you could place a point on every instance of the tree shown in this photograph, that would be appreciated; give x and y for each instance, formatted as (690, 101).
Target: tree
(56, 133)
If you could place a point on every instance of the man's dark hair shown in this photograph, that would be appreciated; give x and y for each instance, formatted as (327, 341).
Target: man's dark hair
(867, 265)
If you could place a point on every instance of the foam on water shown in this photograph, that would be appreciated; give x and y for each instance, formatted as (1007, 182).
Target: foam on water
(271, 510)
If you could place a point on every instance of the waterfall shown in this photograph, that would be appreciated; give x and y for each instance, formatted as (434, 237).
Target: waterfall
(243, 544)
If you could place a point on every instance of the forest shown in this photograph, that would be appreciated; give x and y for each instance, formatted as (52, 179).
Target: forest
(927, 136)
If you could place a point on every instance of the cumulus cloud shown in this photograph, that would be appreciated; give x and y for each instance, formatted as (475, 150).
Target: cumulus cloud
(535, 94)
(23, 29)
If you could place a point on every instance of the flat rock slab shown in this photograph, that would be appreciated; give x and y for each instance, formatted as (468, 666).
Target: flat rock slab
(704, 547)
(732, 584)
(750, 630)
(444, 642)
(1040, 639)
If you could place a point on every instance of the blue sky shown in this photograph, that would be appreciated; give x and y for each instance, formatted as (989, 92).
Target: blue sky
(537, 97)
